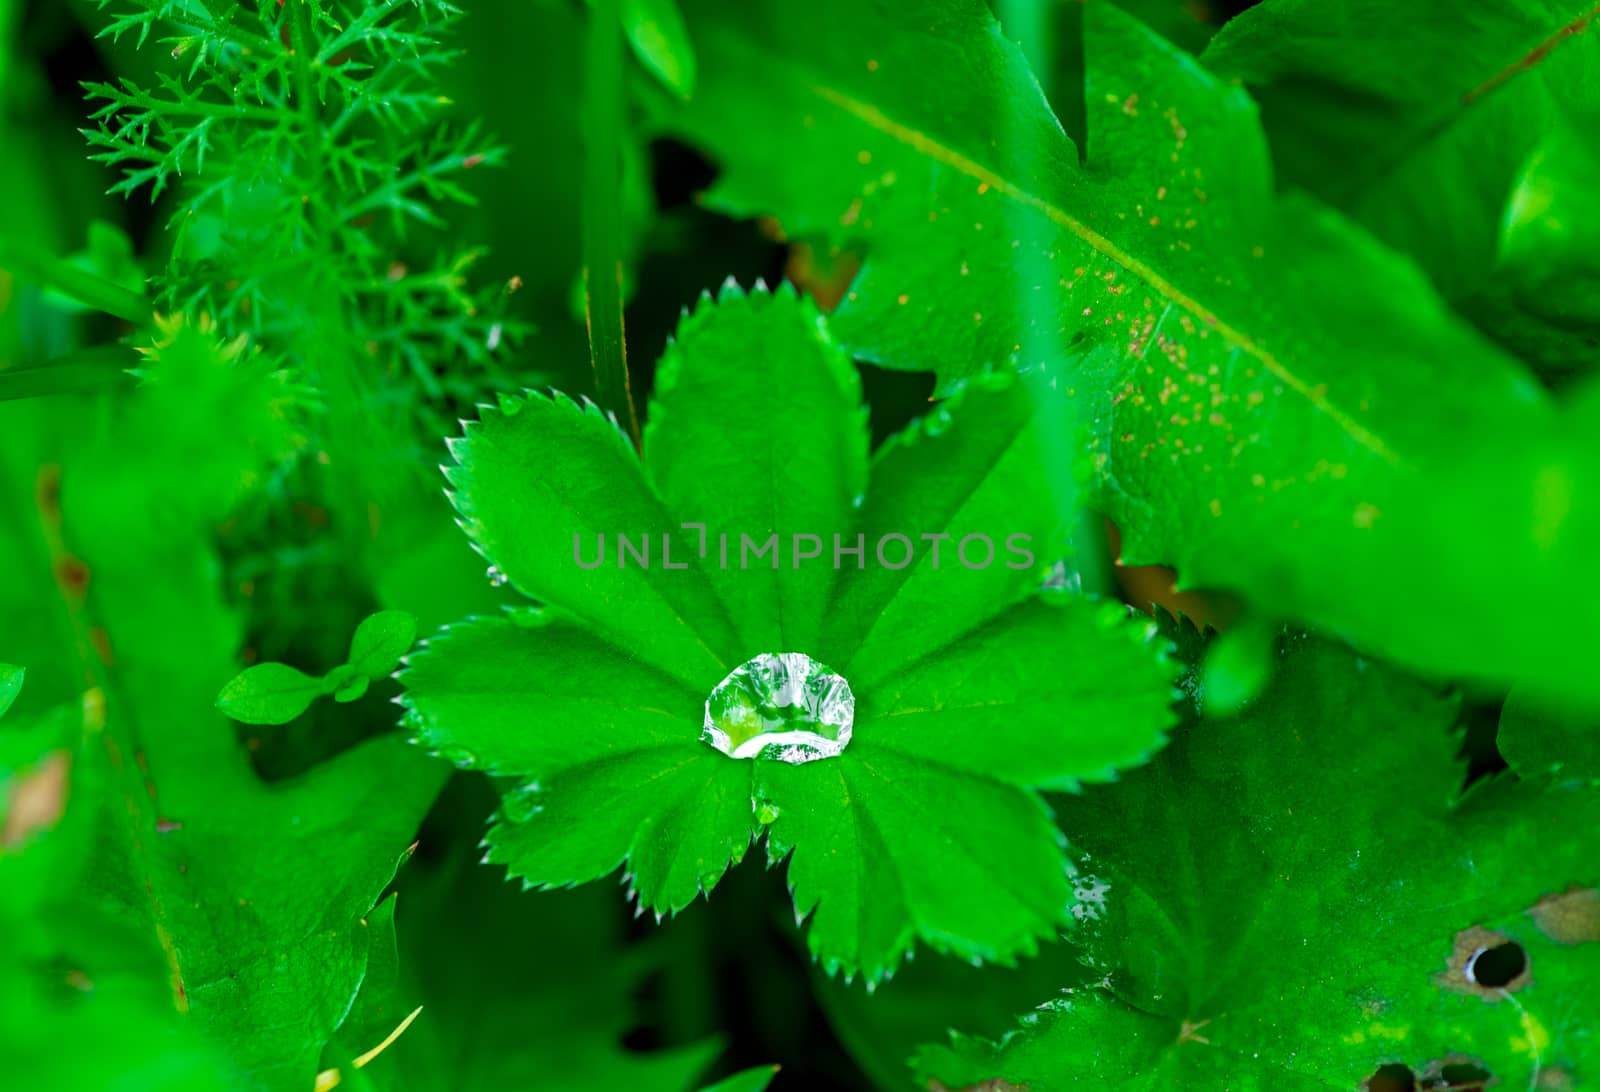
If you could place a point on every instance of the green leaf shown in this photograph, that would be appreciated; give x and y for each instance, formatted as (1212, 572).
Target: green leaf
(1238, 665)
(748, 1080)
(354, 690)
(914, 830)
(10, 685)
(1418, 123)
(1550, 233)
(1549, 745)
(926, 997)
(538, 482)
(983, 704)
(887, 848)
(935, 485)
(270, 693)
(613, 771)
(661, 42)
(1292, 897)
(743, 474)
(381, 641)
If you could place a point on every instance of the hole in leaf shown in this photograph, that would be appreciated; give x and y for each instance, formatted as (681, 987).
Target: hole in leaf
(1462, 1077)
(1497, 966)
(1485, 963)
(1393, 1077)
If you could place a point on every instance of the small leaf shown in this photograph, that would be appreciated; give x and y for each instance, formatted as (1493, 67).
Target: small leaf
(353, 690)
(380, 642)
(10, 685)
(1550, 235)
(270, 693)
(661, 42)
(748, 1080)
(1238, 666)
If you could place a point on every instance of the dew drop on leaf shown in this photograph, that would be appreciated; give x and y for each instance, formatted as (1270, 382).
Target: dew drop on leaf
(497, 579)
(521, 803)
(784, 706)
(459, 757)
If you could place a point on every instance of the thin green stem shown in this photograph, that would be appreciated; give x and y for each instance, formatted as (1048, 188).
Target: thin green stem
(602, 214)
(89, 289)
(1062, 429)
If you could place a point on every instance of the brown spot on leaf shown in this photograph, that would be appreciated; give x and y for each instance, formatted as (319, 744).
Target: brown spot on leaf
(72, 576)
(824, 276)
(36, 800)
(1569, 918)
(1487, 964)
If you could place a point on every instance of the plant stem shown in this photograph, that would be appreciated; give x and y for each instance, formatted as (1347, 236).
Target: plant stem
(602, 214)
(1063, 430)
(87, 288)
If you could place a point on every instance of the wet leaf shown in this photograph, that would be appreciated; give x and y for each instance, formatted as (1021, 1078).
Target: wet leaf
(927, 824)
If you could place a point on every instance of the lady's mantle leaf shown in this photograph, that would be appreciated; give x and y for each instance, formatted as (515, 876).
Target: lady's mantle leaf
(772, 441)
(1293, 897)
(928, 823)
(538, 479)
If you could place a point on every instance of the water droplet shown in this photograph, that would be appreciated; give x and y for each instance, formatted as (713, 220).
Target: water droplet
(1061, 578)
(521, 803)
(497, 579)
(1090, 893)
(784, 706)
(459, 757)
(767, 814)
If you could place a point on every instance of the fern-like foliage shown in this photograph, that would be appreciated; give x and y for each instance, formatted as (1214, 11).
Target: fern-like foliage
(302, 142)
